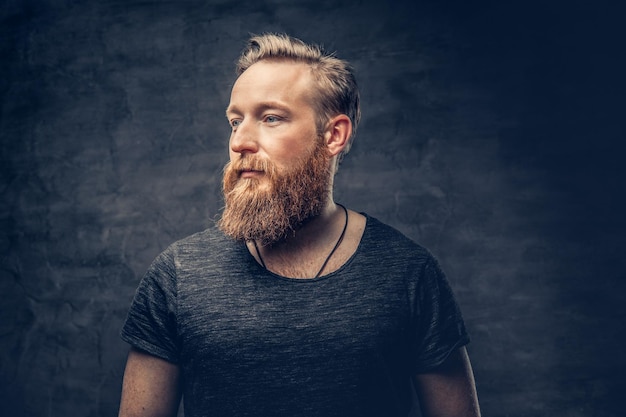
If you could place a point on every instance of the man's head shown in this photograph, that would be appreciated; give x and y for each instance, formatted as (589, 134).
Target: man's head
(287, 137)
(335, 89)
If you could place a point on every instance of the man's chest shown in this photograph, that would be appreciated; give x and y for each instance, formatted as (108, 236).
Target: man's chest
(256, 323)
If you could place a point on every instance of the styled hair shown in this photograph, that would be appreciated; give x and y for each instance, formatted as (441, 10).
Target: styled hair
(337, 91)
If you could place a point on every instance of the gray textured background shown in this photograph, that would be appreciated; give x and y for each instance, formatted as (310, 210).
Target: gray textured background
(493, 133)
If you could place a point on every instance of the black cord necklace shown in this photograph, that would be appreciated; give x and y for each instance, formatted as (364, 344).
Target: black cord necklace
(343, 233)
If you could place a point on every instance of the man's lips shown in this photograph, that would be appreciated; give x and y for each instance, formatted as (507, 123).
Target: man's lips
(249, 173)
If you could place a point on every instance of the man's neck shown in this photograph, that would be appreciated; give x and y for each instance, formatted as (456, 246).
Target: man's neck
(302, 254)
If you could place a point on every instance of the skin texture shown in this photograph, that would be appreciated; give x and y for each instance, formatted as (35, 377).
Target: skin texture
(272, 116)
(450, 389)
(151, 387)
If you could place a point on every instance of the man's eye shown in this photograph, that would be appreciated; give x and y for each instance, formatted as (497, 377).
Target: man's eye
(235, 122)
(272, 119)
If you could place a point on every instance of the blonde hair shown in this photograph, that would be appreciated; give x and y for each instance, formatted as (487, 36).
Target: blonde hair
(337, 91)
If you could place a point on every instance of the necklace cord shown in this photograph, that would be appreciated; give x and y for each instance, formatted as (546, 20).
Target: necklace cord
(258, 252)
(343, 233)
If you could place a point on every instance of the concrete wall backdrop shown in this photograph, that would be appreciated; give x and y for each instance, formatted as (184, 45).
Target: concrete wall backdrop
(492, 133)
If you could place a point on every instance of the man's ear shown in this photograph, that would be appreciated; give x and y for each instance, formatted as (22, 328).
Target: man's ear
(337, 133)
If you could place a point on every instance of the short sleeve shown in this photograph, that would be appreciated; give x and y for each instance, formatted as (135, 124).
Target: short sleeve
(438, 326)
(151, 323)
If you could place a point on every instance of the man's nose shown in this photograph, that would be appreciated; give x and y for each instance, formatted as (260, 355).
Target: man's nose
(243, 139)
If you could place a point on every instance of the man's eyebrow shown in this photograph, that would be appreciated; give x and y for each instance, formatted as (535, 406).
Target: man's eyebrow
(266, 105)
(231, 109)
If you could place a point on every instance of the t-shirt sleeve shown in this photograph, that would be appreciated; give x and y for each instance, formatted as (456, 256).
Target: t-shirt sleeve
(151, 322)
(438, 327)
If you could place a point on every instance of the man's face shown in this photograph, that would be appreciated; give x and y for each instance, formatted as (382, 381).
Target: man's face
(279, 172)
(271, 113)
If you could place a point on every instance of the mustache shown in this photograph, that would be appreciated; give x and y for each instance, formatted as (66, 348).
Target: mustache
(250, 163)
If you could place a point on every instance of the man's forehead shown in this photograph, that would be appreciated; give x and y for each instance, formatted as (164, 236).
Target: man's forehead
(273, 83)
(285, 74)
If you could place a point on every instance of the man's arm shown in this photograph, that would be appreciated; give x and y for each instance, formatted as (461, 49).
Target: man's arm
(151, 387)
(449, 390)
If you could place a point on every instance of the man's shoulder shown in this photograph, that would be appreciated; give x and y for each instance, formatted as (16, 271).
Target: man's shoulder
(207, 239)
(208, 248)
(383, 234)
(382, 231)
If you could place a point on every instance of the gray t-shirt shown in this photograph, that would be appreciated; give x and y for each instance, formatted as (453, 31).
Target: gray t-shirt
(253, 343)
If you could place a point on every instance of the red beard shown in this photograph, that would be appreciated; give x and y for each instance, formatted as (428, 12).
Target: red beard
(271, 208)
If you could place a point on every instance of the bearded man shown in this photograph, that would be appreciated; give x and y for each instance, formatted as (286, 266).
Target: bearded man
(294, 305)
